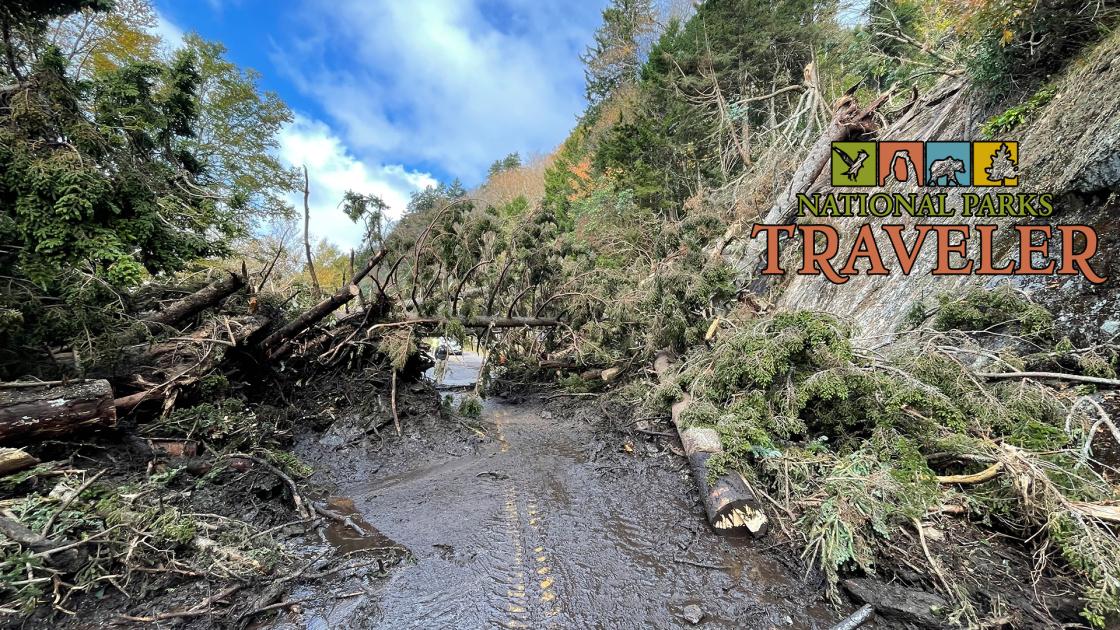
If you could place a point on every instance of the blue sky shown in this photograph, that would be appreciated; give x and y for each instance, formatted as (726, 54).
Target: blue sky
(393, 95)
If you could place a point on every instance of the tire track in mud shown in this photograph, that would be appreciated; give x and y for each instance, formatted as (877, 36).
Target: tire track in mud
(538, 528)
(538, 603)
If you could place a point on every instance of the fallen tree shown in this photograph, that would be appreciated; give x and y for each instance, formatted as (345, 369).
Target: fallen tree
(850, 120)
(275, 345)
(40, 410)
(728, 500)
(208, 297)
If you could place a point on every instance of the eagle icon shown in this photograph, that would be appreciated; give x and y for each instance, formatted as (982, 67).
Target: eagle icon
(854, 164)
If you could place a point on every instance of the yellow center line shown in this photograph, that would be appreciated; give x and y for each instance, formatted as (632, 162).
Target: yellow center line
(517, 603)
(517, 591)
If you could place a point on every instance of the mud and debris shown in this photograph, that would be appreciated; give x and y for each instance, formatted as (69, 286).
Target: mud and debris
(539, 515)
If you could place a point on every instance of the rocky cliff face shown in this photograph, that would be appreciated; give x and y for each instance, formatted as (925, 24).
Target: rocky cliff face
(1071, 149)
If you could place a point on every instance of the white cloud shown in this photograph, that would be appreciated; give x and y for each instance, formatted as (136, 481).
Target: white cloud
(168, 32)
(333, 170)
(451, 83)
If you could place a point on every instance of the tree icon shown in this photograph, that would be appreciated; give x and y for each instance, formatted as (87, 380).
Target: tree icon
(1003, 167)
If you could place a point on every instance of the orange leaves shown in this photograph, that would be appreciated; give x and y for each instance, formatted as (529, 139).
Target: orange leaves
(582, 184)
(524, 181)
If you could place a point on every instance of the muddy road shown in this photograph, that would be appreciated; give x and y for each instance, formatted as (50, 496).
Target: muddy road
(540, 516)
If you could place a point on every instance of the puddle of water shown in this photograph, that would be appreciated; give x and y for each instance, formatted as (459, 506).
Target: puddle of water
(344, 537)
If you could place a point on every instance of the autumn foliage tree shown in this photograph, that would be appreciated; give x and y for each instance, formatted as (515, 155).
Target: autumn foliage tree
(615, 58)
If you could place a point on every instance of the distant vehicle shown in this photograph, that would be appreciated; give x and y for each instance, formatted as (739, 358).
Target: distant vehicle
(443, 348)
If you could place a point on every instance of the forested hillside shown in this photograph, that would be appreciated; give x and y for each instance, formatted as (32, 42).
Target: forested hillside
(947, 442)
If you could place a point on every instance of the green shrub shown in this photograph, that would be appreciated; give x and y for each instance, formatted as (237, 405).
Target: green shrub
(1012, 43)
(471, 407)
(1018, 115)
(983, 309)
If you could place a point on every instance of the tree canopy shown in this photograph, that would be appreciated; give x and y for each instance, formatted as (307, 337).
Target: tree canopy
(119, 162)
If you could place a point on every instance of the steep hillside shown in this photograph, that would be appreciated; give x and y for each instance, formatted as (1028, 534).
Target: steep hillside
(1071, 148)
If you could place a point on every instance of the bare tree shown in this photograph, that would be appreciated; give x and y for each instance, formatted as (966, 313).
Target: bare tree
(306, 236)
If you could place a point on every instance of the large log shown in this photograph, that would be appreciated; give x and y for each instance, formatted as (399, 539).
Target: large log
(510, 322)
(66, 557)
(345, 327)
(481, 321)
(342, 328)
(195, 303)
(729, 502)
(36, 411)
(179, 361)
(309, 318)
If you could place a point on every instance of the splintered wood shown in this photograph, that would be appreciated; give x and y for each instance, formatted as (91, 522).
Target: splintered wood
(751, 519)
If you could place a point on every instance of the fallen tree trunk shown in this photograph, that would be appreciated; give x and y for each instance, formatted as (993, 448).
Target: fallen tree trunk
(509, 322)
(309, 318)
(1057, 376)
(344, 328)
(478, 322)
(198, 301)
(179, 361)
(856, 619)
(571, 366)
(909, 605)
(728, 502)
(197, 352)
(54, 552)
(334, 336)
(58, 409)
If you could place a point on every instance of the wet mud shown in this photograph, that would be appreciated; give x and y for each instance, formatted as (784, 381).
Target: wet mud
(548, 521)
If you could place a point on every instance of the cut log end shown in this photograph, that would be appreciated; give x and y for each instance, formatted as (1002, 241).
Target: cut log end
(14, 460)
(743, 517)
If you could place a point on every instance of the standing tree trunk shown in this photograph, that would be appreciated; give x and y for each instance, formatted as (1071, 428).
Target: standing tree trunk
(306, 235)
(48, 410)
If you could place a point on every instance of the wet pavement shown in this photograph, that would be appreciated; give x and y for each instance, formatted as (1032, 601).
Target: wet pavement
(551, 523)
